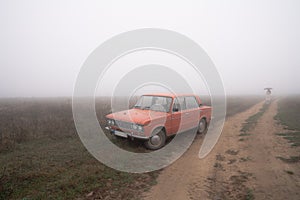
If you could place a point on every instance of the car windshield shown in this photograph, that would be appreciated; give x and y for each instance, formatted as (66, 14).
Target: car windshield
(155, 103)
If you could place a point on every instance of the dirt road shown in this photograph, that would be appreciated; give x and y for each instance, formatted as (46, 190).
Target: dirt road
(239, 167)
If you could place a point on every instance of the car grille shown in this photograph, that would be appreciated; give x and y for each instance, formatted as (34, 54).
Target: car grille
(122, 124)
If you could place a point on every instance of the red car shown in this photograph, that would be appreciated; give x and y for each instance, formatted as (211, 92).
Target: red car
(158, 116)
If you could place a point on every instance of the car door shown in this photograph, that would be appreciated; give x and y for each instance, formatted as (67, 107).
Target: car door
(192, 108)
(179, 115)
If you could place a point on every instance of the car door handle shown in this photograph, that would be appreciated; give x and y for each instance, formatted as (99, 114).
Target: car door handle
(187, 113)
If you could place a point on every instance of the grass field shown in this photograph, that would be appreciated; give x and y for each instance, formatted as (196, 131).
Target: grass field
(289, 112)
(237, 104)
(62, 169)
(42, 157)
(289, 115)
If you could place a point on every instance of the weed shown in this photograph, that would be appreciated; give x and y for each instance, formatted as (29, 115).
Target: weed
(291, 159)
(219, 157)
(218, 165)
(289, 172)
(231, 161)
(252, 120)
(244, 134)
(232, 152)
(292, 137)
(245, 159)
(249, 195)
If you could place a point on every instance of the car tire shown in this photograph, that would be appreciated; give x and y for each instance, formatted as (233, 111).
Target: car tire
(157, 140)
(202, 126)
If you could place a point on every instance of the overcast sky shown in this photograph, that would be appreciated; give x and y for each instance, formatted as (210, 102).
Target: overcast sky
(253, 43)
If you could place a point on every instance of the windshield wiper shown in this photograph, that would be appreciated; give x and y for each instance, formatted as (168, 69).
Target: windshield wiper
(146, 108)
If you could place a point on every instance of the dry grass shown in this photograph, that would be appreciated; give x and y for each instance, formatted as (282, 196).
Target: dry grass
(289, 112)
(63, 169)
(237, 104)
(289, 115)
(42, 157)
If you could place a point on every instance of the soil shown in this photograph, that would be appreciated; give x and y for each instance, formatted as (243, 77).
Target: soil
(239, 167)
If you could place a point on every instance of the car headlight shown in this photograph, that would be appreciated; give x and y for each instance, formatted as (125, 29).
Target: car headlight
(111, 122)
(134, 126)
(137, 127)
(140, 128)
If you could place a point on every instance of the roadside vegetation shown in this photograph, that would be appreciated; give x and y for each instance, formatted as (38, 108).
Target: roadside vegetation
(291, 159)
(63, 169)
(289, 112)
(237, 104)
(289, 115)
(251, 122)
(41, 156)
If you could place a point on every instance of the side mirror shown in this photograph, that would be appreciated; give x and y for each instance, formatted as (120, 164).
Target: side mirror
(175, 109)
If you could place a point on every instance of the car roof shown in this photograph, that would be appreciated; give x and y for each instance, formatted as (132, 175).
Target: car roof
(168, 95)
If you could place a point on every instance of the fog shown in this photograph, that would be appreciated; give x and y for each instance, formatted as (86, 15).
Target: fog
(253, 43)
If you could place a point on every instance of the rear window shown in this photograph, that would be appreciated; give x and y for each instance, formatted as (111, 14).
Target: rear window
(191, 103)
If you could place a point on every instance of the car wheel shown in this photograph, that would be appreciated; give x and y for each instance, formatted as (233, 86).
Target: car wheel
(157, 140)
(202, 126)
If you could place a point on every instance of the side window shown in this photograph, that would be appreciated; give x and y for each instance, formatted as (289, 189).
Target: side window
(168, 104)
(181, 101)
(179, 104)
(176, 105)
(191, 102)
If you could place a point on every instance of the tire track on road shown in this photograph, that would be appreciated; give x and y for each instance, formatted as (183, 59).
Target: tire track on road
(190, 177)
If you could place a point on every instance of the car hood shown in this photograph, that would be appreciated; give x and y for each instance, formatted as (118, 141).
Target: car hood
(137, 116)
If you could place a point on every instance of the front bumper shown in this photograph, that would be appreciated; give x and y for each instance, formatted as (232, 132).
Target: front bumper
(125, 134)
